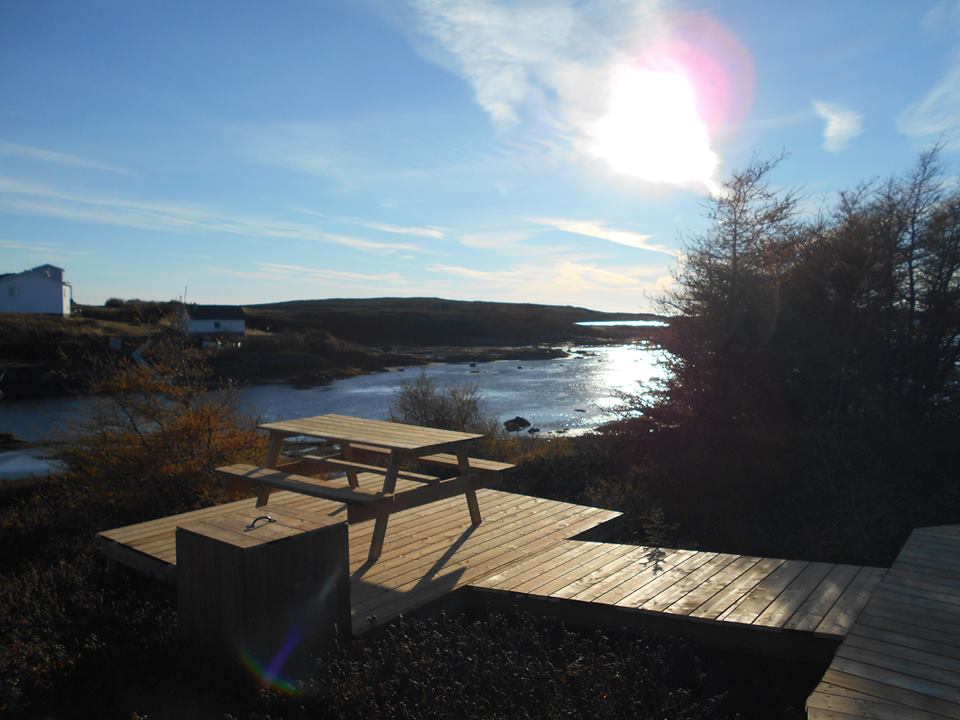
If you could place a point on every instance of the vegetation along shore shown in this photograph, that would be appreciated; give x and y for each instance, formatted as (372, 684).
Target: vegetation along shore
(304, 342)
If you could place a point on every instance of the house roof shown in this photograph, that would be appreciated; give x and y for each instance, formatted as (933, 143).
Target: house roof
(215, 312)
(39, 269)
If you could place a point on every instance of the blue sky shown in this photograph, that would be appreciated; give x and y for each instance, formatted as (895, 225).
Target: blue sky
(553, 152)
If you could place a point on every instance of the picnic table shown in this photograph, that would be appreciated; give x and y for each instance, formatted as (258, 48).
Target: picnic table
(396, 444)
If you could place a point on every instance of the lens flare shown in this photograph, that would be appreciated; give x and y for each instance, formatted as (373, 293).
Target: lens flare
(269, 674)
(667, 104)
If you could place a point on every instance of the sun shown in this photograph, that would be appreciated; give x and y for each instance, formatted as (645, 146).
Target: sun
(667, 104)
(653, 130)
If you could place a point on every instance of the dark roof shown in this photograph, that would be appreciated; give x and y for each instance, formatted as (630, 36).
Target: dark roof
(37, 269)
(215, 312)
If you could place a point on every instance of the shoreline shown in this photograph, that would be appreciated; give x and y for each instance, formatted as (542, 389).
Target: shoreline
(416, 357)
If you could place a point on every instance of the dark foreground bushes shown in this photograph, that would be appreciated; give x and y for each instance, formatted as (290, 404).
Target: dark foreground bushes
(501, 666)
(70, 641)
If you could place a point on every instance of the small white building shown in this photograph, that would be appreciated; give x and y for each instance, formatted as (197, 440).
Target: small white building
(41, 290)
(214, 320)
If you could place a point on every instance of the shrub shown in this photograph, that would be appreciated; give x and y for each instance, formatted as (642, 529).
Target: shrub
(500, 666)
(152, 444)
(65, 635)
(451, 407)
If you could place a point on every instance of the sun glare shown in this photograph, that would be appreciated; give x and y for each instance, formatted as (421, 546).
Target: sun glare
(668, 104)
(653, 130)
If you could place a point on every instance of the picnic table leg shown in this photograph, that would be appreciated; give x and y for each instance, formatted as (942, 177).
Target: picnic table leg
(380, 524)
(463, 463)
(273, 455)
(347, 451)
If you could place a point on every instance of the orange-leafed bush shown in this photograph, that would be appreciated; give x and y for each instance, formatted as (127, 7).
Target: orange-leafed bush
(151, 445)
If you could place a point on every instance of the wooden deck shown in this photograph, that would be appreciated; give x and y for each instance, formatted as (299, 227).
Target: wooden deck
(734, 590)
(895, 633)
(901, 658)
(523, 551)
(429, 552)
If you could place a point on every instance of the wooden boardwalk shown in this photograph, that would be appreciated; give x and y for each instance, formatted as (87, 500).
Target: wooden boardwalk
(523, 551)
(734, 590)
(901, 658)
(895, 633)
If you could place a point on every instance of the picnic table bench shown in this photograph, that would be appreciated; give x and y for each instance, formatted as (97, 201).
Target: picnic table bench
(394, 443)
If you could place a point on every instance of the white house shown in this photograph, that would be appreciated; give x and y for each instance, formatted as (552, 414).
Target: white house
(40, 290)
(214, 320)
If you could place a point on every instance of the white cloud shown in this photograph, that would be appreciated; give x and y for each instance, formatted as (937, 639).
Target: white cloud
(843, 124)
(937, 116)
(52, 156)
(554, 69)
(434, 233)
(598, 229)
(280, 272)
(501, 49)
(30, 198)
(564, 282)
(493, 240)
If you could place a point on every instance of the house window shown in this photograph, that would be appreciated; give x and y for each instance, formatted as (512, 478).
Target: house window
(216, 324)
(13, 292)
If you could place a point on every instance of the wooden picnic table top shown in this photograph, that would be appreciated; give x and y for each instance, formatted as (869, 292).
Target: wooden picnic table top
(391, 435)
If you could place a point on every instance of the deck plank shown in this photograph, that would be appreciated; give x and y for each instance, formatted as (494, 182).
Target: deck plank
(641, 574)
(903, 648)
(737, 590)
(762, 596)
(711, 586)
(815, 608)
(594, 579)
(705, 565)
(794, 596)
(851, 602)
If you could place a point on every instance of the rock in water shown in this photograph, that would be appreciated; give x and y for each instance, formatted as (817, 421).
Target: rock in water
(516, 424)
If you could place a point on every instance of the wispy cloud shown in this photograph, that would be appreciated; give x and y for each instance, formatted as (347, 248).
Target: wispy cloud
(27, 254)
(555, 70)
(598, 229)
(432, 232)
(941, 17)
(31, 198)
(310, 148)
(842, 124)
(503, 50)
(33, 247)
(281, 272)
(494, 240)
(937, 115)
(564, 281)
(29, 152)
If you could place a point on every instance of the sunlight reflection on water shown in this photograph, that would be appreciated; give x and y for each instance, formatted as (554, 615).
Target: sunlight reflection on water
(549, 393)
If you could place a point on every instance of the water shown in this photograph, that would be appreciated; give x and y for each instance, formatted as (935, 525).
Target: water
(624, 323)
(549, 393)
(571, 394)
(26, 463)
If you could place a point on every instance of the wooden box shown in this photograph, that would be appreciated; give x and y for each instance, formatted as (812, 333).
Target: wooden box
(267, 595)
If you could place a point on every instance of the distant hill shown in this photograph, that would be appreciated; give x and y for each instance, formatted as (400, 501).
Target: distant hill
(431, 321)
